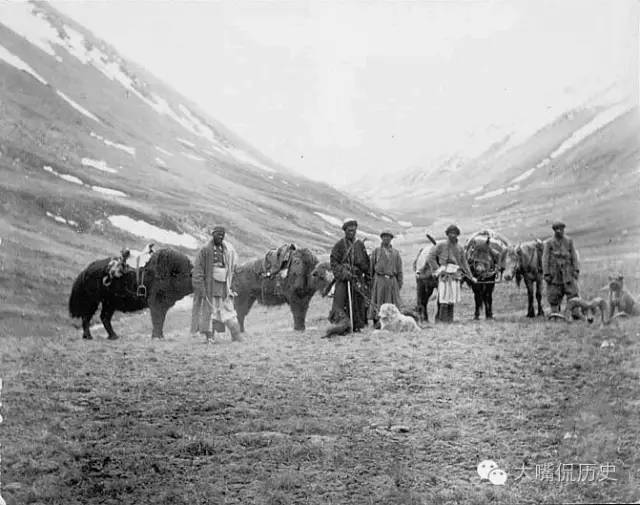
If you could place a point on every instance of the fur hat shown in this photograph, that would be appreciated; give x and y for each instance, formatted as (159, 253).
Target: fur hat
(452, 228)
(558, 224)
(386, 232)
(349, 222)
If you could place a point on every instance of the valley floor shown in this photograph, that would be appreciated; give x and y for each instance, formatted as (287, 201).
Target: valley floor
(289, 418)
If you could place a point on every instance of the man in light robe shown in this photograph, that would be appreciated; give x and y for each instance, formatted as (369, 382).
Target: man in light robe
(213, 271)
(448, 262)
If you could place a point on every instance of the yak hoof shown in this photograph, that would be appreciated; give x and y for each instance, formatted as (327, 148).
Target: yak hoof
(87, 337)
(299, 329)
(113, 336)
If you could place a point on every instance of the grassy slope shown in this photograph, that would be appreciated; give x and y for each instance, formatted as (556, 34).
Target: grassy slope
(289, 418)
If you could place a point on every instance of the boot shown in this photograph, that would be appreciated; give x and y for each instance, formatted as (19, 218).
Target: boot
(555, 309)
(234, 328)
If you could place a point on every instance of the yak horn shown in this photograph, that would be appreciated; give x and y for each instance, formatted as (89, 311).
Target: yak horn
(578, 302)
(558, 316)
(619, 314)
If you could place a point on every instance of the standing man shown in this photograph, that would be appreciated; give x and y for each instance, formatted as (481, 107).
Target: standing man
(560, 267)
(212, 277)
(449, 264)
(386, 276)
(350, 266)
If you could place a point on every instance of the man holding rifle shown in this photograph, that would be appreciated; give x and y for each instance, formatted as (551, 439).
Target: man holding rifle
(350, 266)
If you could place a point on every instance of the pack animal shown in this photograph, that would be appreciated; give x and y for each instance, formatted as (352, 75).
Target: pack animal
(484, 263)
(115, 286)
(524, 261)
(620, 300)
(305, 275)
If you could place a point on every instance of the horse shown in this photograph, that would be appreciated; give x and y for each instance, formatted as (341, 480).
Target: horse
(483, 256)
(116, 286)
(524, 261)
(294, 283)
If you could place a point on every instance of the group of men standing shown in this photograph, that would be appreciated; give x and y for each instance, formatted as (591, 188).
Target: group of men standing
(363, 283)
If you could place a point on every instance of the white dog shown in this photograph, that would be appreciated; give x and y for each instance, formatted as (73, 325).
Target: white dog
(392, 319)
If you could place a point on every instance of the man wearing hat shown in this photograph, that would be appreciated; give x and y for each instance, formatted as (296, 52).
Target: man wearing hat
(560, 267)
(350, 266)
(386, 276)
(213, 298)
(449, 264)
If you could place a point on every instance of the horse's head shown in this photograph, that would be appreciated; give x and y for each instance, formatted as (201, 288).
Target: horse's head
(481, 257)
(509, 262)
(322, 277)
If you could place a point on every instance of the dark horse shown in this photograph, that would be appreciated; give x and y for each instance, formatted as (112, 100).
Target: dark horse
(301, 277)
(158, 285)
(484, 262)
(524, 261)
(426, 283)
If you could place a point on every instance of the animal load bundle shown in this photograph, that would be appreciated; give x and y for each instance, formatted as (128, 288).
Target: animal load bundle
(497, 242)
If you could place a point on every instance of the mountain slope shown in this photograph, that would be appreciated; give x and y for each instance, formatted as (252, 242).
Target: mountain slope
(96, 154)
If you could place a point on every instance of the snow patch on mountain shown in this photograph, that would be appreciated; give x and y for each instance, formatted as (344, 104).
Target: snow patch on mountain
(78, 107)
(66, 177)
(108, 191)
(122, 147)
(329, 219)
(10, 58)
(149, 231)
(99, 165)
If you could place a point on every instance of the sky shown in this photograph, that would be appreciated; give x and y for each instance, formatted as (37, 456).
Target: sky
(341, 90)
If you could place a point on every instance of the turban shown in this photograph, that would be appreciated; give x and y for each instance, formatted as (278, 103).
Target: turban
(452, 229)
(557, 224)
(217, 229)
(349, 222)
(386, 232)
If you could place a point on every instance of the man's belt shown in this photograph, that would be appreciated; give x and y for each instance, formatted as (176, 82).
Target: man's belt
(385, 276)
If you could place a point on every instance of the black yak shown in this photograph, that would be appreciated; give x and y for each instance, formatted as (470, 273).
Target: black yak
(305, 275)
(164, 280)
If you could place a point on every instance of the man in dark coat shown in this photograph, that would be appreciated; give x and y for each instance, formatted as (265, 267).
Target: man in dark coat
(560, 267)
(386, 276)
(350, 266)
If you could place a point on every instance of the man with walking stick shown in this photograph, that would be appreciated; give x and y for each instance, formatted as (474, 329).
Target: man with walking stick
(350, 266)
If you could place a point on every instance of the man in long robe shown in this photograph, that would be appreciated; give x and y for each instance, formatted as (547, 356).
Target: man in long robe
(386, 276)
(440, 259)
(213, 271)
(350, 265)
(560, 267)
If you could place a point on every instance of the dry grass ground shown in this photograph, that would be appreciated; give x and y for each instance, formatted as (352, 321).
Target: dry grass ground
(288, 418)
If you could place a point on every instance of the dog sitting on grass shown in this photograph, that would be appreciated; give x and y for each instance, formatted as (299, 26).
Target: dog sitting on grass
(621, 303)
(588, 308)
(391, 319)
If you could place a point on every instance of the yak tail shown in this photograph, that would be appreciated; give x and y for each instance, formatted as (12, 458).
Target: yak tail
(78, 298)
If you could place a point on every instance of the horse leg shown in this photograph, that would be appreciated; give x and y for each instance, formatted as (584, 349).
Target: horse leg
(488, 301)
(299, 307)
(105, 316)
(420, 305)
(529, 283)
(477, 297)
(539, 295)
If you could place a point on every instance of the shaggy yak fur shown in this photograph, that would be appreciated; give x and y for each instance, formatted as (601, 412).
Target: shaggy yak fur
(304, 277)
(110, 282)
